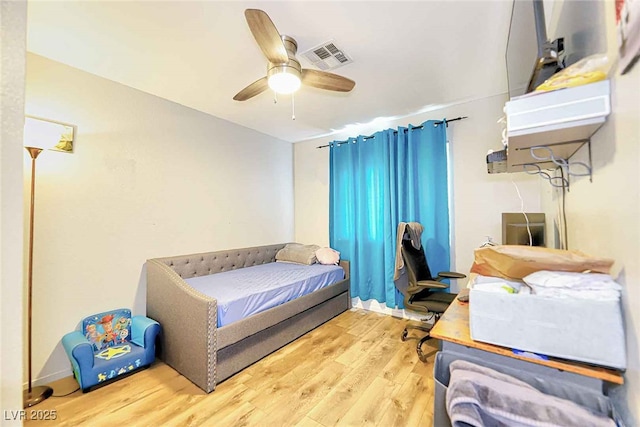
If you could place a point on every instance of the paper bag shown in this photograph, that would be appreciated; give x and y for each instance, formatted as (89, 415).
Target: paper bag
(515, 262)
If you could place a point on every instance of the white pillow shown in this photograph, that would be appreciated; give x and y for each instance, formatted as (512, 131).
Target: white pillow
(328, 256)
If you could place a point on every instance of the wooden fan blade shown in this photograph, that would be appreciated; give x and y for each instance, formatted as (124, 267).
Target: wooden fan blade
(266, 35)
(327, 81)
(255, 88)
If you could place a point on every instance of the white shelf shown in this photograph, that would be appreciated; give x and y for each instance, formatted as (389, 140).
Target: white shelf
(562, 120)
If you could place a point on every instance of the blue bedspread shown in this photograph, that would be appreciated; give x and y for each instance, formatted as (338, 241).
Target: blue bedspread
(246, 291)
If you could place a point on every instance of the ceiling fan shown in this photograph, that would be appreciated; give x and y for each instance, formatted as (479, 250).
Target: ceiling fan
(284, 73)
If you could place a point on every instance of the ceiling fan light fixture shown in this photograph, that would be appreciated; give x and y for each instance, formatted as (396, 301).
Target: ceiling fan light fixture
(284, 73)
(284, 79)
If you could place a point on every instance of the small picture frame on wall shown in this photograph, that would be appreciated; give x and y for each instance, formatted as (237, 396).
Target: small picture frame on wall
(628, 32)
(56, 136)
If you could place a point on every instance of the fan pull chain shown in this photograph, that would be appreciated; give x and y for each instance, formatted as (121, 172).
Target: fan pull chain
(275, 97)
(293, 107)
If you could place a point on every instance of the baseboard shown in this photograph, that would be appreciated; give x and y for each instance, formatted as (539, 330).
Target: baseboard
(377, 307)
(50, 378)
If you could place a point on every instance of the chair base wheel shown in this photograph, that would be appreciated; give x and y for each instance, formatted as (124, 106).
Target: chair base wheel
(421, 341)
(423, 358)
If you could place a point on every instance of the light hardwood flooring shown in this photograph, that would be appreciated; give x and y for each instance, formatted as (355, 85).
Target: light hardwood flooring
(353, 370)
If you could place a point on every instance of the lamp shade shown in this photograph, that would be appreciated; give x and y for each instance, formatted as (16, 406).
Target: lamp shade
(284, 79)
(44, 134)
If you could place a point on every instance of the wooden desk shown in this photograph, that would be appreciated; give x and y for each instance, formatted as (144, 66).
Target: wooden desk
(453, 326)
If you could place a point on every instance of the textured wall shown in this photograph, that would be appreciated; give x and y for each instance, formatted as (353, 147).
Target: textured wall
(13, 34)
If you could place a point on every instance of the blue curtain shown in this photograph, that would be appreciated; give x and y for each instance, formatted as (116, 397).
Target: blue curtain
(375, 183)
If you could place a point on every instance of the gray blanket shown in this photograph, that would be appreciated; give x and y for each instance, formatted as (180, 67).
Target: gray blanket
(414, 229)
(481, 397)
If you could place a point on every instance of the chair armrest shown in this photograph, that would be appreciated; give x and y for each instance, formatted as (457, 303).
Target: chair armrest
(78, 348)
(430, 284)
(451, 275)
(144, 331)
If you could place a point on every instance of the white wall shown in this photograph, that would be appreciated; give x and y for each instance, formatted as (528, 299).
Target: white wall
(603, 216)
(13, 35)
(478, 198)
(147, 178)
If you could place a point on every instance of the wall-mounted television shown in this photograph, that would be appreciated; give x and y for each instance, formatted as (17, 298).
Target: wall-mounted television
(534, 33)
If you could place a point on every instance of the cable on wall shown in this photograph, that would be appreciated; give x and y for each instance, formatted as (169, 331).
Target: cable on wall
(523, 212)
(564, 214)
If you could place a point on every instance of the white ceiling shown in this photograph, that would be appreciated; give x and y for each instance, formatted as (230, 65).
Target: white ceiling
(408, 56)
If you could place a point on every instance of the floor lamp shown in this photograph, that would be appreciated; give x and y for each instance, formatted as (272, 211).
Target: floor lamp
(32, 395)
(38, 135)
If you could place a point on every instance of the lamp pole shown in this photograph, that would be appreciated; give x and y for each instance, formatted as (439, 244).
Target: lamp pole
(33, 395)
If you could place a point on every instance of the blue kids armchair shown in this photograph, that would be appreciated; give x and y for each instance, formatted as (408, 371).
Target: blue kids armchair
(110, 344)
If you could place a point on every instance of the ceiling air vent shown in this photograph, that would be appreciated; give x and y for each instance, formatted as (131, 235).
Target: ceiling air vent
(327, 56)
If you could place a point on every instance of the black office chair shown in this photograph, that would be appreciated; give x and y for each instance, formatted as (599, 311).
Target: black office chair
(421, 294)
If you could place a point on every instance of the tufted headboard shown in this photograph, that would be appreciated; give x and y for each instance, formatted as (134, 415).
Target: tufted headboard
(202, 264)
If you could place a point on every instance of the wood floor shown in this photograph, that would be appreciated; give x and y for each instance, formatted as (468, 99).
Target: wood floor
(353, 370)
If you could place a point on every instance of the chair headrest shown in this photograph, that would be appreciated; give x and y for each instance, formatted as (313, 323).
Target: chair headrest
(411, 231)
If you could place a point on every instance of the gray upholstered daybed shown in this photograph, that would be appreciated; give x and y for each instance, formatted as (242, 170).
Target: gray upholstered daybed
(193, 344)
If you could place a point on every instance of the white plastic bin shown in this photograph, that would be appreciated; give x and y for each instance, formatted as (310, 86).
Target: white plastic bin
(575, 329)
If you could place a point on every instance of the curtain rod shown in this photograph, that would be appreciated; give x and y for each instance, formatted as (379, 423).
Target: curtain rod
(445, 121)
